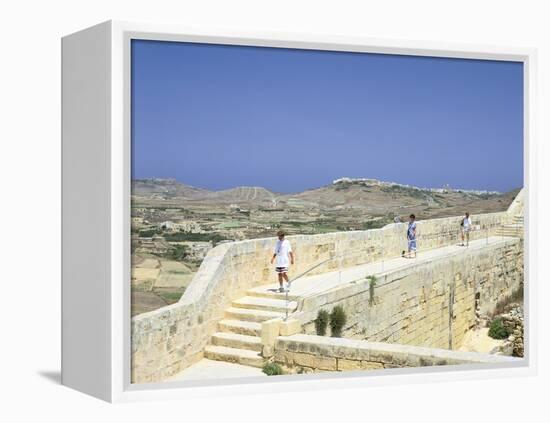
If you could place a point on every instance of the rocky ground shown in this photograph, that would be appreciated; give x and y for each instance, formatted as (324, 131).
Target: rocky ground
(478, 340)
(512, 319)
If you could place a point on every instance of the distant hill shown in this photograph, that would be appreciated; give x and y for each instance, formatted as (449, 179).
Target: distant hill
(365, 195)
(378, 198)
(172, 189)
(244, 194)
(165, 188)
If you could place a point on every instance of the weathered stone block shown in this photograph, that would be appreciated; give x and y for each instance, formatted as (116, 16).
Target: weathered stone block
(344, 365)
(270, 332)
(314, 362)
(290, 327)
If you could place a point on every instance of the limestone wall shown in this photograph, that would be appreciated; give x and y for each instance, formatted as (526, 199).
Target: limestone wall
(517, 206)
(171, 338)
(337, 354)
(431, 304)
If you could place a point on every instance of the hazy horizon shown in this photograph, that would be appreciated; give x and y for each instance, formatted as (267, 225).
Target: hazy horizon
(217, 117)
(328, 183)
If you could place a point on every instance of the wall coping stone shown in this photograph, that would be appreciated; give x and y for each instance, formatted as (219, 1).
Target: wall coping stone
(344, 348)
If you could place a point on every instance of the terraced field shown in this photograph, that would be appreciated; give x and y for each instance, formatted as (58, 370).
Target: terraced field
(157, 282)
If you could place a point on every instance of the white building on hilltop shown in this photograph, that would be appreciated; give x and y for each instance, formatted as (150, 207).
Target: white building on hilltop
(181, 225)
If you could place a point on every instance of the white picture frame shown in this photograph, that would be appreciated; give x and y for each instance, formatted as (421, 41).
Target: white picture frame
(96, 211)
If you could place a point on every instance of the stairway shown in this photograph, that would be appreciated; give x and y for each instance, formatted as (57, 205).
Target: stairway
(518, 219)
(238, 339)
(514, 229)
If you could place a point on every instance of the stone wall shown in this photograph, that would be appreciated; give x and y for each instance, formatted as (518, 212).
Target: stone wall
(167, 340)
(517, 206)
(432, 304)
(513, 322)
(320, 353)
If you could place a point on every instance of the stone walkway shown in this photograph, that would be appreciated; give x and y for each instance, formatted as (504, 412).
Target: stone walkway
(311, 285)
(210, 369)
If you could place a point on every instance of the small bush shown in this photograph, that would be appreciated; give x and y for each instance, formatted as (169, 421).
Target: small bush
(148, 233)
(189, 236)
(179, 252)
(337, 321)
(321, 322)
(497, 330)
(170, 297)
(272, 369)
(372, 285)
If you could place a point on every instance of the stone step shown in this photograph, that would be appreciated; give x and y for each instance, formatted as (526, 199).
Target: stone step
(240, 326)
(259, 303)
(235, 340)
(251, 315)
(509, 231)
(234, 355)
(513, 230)
(262, 292)
(509, 234)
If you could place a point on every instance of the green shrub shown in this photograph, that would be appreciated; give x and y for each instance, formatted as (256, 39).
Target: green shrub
(170, 297)
(497, 330)
(272, 369)
(337, 321)
(188, 236)
(148, 233)
(374, 224)
(321, 322)
(372, 285)
(178, 252)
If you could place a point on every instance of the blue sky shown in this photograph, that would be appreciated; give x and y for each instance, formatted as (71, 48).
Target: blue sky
(218, 116)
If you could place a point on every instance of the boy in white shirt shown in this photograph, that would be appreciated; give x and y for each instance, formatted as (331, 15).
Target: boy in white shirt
(466, 227)
(282, 255)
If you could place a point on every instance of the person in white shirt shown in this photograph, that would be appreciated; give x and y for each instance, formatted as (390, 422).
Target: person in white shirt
(466, 225)
(282, 257)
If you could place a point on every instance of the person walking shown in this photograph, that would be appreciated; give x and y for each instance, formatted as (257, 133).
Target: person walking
(466, 225)
(282, 257)
(411, 236)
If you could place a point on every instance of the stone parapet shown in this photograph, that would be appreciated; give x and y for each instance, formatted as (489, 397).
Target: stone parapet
(321, 353)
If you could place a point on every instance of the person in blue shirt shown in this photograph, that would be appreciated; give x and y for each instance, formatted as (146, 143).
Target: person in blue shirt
(411, 236)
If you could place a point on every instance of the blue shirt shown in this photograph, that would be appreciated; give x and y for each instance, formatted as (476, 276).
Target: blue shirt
(411, 230)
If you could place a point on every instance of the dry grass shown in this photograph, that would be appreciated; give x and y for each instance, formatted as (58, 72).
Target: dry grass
(506, 303)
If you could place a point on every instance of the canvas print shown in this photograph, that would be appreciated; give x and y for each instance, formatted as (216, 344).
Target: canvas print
(301, 211)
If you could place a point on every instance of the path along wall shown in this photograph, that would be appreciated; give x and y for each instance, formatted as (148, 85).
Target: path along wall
(167, 340)
(432, 304)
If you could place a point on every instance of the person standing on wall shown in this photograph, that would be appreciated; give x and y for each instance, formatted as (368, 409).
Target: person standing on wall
(466, 225)
(282, 256)
(411, 237)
